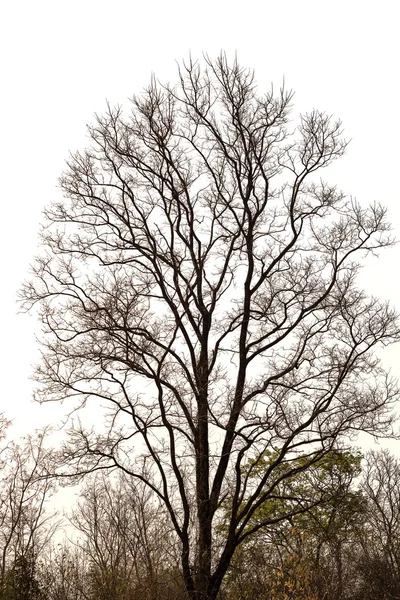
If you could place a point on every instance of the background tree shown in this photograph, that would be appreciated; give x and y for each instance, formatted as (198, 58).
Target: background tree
(26, 524)
(379, 551)
(21, 582)
(199, 279)
(62, 573)
(124, 533)
(310, 554)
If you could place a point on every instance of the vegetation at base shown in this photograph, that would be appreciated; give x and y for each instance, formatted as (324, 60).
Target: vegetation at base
(120, 546)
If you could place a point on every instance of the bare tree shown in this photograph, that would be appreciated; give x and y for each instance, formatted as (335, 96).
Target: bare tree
(382, 487)
(199, 280)
(125, 536)
(62, 573)
(379, 561)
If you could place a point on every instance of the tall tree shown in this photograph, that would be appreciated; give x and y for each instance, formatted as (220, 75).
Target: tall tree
(200, 280)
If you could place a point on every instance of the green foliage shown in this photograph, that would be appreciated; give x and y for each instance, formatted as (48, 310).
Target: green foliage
(307, 492)
(310, 507)
(21, 582)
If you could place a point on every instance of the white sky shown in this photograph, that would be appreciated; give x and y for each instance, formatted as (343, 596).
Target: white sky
(61, 59)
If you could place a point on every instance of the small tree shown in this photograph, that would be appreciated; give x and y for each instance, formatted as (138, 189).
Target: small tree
(200, 280)
(26, 526)
(62, 573)
(21, 579)
(293, 581)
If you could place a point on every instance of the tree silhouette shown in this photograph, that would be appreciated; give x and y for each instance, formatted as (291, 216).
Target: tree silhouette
(199, 280)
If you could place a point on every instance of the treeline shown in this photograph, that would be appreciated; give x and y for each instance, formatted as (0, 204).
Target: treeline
(118, 543)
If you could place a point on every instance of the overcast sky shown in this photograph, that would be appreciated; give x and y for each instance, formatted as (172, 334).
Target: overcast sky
(60, 61)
